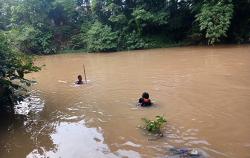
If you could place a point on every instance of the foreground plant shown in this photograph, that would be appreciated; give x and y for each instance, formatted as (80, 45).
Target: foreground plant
(154, 126)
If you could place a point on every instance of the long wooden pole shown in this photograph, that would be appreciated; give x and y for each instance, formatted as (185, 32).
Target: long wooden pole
(85, 73)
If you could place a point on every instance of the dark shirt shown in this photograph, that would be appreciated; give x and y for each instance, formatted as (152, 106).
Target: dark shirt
(145, 102)
(79, 82)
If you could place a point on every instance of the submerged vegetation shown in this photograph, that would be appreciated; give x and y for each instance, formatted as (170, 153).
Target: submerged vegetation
(49, 26)
(155, 126)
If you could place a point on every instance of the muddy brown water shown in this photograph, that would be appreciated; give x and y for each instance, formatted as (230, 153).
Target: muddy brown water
(204, 92)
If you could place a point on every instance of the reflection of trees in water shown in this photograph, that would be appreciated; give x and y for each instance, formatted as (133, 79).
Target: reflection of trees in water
(20, 135)
(26, 131)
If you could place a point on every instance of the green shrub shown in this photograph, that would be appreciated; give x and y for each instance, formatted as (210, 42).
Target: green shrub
(215, 20)
(134, 41)
(154, 126)
(77, 42)
(31, 40)
(101, 38)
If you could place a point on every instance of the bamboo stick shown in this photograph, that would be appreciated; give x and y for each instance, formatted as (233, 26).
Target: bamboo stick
(85, 73)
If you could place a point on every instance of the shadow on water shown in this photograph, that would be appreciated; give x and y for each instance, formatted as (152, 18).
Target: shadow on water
(17, 134)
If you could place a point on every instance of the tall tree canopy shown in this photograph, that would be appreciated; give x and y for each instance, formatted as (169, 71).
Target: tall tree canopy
(46, 26)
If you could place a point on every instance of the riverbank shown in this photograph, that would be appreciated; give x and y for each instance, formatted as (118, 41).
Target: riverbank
(156, 47)
(180, 45)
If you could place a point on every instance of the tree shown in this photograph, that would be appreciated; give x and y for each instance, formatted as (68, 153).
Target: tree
(144, 18)
(101, 38)
(31, 40)
(46, 26)
(239, 31)
(215, 19)
(13, 66)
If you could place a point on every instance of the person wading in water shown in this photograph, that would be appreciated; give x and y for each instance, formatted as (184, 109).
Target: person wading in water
(79, 79)
(144, 100)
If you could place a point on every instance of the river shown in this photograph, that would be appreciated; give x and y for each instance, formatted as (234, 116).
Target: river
(204, 92)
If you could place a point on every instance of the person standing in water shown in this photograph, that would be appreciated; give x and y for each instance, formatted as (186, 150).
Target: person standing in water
(79, 79)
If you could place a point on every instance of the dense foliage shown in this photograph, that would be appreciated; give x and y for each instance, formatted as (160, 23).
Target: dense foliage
(46, 26)
(13, 66)
(101, 38)
(215, 20)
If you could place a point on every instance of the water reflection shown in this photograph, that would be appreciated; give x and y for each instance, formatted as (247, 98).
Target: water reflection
(76, 140)
(32, 104)
(73, 140)
(19, 134)
(65, 134)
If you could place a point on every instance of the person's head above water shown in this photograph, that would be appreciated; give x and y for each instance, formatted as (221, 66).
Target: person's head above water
(144, 100)
(79, 79)
(145, 95)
